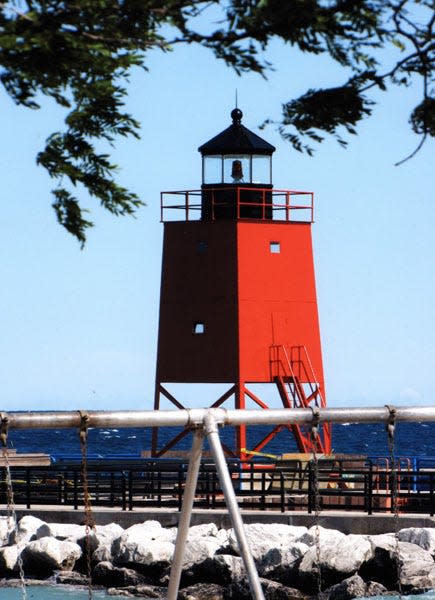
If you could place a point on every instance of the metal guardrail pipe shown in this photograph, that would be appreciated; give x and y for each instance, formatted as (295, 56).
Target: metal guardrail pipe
(196, 416)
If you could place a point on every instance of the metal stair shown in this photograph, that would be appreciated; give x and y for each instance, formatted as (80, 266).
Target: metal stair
(298, 387)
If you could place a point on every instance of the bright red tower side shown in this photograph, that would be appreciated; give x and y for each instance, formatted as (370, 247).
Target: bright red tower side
(238, 297)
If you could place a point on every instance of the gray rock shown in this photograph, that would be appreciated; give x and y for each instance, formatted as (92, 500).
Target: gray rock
(323, 534)
(203, 530)
(8, 559)
(26, 530)
(339, 559)
(263, 537)
(146, 591)
(375, 589)
(145, 544)
(108, 575)
(202, 591)
(107, 533)
(222, 569)
(271, 589)
(6, 527)
(198, 549)
(421, 536)
(416, 570)
(61, 531)
(352, 587)
(103, 553)
(48, 554)
(71, 578)
(279, 563)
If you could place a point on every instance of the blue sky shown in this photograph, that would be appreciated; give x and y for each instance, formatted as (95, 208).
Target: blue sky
(79, 328)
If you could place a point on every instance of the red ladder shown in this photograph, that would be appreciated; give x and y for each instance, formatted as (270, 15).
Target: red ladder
(298, 387)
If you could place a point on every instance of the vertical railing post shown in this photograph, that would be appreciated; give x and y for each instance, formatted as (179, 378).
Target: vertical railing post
(282, 491)
(130, 489)
(431, 494)
(123, 491)
(28, 488)
(310, 487)
(370, 490)
(211, 431)
(187, 206)
(76, 493)
(186, 512)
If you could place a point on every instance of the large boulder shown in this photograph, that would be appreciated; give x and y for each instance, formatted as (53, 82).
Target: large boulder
(6, 528)
(272, 591)
(146, 544)
(263, 537)
(71, 578)
(202, 591)
(61, 531)
(340, 557)
(203, 542)
(108, 575)
(222, 569)
(421, 536)
(26, 530)
(48, 554)
(353, 587)
(9, 559)
(321, 534)
(141, 591)
(281, 563)
(416, 566)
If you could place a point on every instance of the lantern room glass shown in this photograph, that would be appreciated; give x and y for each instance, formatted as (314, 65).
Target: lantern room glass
(212, 169)
(262, 169)
(237, 169)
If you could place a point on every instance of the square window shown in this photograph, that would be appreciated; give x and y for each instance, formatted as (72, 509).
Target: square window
(198, 328)
(275, 247)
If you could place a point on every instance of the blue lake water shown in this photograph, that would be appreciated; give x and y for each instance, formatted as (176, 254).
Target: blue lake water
(412, 439)
(52, 593)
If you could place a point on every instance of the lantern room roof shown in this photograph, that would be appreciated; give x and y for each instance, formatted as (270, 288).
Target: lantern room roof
(236, 139)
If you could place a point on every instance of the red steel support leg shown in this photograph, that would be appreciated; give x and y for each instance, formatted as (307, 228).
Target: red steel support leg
(241, 429)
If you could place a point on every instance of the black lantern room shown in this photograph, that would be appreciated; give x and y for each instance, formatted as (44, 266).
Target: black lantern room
(236, 174)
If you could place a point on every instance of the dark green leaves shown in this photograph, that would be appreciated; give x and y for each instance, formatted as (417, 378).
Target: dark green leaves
(324, 110)
(80, 54)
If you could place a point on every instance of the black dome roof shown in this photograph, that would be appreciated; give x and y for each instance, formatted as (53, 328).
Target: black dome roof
(237, 139)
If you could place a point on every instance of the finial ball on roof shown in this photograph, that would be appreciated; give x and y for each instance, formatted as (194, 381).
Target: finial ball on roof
(236, 115)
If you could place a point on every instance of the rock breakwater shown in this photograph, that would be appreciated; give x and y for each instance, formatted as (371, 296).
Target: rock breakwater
(135, 562)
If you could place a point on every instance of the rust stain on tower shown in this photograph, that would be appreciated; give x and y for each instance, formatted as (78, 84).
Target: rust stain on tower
(238, 296)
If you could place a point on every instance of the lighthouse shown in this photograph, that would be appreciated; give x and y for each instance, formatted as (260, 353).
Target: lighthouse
(238, 301)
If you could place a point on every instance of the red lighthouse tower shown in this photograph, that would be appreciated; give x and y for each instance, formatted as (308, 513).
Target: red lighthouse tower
(238, 298)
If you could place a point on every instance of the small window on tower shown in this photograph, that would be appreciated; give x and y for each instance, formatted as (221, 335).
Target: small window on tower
(275, 247)
(201, 247)
(198, 328)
